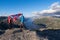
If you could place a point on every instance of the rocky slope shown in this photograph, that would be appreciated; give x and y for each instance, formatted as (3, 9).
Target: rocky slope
(16, 34)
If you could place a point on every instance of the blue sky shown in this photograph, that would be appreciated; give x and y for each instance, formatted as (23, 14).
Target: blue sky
(8, 7)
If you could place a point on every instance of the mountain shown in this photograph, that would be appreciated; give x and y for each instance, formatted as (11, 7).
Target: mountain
(56, 16)
(51, 31)
(50, 22)
(2, 17)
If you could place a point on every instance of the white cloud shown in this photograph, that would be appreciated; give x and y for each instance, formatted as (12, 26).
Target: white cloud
(53, 9)
(55, 6)
(47, 11)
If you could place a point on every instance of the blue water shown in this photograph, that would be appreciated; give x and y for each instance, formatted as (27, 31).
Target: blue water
(30, 24)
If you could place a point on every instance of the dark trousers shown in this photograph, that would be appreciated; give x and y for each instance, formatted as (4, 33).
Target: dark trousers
(21, 27)
(10, 25)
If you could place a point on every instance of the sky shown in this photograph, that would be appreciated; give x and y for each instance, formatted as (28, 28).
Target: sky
(27, 7)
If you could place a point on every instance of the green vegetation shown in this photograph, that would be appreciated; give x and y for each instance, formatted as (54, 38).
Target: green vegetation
(50, 22)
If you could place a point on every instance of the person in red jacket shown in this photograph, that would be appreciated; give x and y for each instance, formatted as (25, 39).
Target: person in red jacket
(10, 22)
(12, 19)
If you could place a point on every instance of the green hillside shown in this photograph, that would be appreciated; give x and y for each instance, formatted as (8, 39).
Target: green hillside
(50, 22)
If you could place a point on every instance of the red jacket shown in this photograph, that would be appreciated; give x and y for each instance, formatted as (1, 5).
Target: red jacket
(13, 17)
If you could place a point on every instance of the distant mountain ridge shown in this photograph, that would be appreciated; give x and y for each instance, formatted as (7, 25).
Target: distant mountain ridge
(3, 17)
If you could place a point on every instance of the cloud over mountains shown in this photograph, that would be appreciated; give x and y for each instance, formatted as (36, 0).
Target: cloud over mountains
(54, 9)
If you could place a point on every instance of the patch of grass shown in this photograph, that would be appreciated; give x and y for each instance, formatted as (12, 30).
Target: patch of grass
(51, 23)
